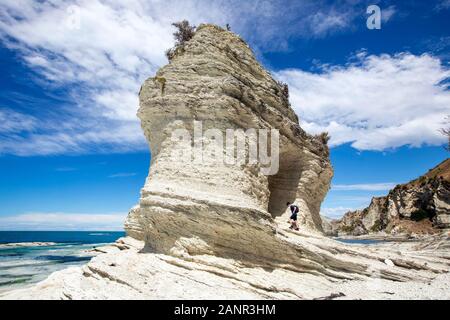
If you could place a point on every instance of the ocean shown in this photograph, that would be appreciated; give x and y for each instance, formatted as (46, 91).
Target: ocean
(26, 263)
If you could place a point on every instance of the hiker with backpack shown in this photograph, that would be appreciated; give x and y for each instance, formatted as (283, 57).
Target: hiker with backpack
(293, 219)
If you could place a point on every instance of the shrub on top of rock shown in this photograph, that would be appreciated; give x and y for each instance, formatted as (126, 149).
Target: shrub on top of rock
(324, 137)
(284, 89)
(184, 33)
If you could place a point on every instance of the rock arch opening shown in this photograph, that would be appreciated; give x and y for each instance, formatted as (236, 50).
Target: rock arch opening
(284, 185)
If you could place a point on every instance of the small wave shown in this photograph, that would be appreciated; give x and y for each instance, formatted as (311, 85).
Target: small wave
(26, 244)
(15, 276)
(15, 281)
(99, 234)
(64, 259)
(12, 254)
(28, 265)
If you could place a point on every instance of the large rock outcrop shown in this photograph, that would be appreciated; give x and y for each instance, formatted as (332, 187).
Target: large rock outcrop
(418, 207)
(215, 83)
(207, 230)
(408, 270)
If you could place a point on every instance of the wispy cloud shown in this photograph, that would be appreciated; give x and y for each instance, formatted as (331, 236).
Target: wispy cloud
(443, 5)
(336, 212)
(375, 102)
(63, 221)
(103, 51)
(364, 187)
(14, 122)
(66, 169)
(122, 175)
(388, 13)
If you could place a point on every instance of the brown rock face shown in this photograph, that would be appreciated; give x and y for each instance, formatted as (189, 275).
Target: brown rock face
(420, 206)
(214, 84)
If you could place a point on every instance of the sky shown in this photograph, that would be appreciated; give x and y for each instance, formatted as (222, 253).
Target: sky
(72, 154)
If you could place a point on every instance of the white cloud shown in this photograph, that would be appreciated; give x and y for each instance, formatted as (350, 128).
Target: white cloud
(122, 175)
(336, 212)
(443, 5)
(103, 50)
(388, 13)
(99, 136)
(365, 186)
(13, 122)
(375, 102)
(324, 23)
(63, 221)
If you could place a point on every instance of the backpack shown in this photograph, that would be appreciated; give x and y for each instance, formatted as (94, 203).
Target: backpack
(296, 209)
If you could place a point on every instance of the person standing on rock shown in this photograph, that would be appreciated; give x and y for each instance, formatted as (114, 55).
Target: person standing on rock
(293, 219)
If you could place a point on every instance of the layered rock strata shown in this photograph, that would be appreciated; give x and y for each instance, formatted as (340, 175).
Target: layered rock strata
(213, 230)
(386, 271)
(421, 206)
(214, 84)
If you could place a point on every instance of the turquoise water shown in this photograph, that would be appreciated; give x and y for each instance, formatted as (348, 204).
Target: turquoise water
(359, 241)
(22, 266)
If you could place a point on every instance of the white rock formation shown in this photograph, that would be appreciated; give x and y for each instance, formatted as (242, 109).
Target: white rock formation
(385, 271)
(132, 224)
(217, 231)
(215, 80)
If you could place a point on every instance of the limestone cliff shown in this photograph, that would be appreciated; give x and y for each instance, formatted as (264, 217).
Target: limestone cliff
(215, 80)
(417, 207)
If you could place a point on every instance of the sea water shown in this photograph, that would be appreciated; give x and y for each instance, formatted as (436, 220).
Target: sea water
(24, 265)
(359, 241)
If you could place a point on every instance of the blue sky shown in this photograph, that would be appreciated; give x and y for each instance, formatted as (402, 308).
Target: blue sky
(72, 155)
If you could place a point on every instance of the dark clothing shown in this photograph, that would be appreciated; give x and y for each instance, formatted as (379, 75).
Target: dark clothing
(294, 211)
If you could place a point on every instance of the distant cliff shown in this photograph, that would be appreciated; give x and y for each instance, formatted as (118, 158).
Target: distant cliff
(421, 206)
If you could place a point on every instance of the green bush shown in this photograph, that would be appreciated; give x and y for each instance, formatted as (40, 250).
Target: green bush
(347, 229)
(376, 226)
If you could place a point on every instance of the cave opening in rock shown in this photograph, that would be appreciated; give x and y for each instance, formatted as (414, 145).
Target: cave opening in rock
(283, 186)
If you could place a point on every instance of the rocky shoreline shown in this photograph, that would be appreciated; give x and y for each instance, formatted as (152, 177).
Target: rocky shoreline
(212, 230)
(388, 270)
(403, 237)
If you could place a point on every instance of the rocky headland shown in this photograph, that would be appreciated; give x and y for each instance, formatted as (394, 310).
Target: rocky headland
(214, 230)
(418, 208)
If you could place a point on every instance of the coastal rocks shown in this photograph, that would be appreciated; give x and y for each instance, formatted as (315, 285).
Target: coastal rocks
(329, 226)
(132, 224)
(441, 201)
(214, 86)
(360, 272)
(214, 230)
(421, 206)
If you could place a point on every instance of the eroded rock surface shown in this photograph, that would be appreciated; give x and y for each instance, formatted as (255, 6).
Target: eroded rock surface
(215, 80)
(217, 231)
(387, 271)
(421, 206)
